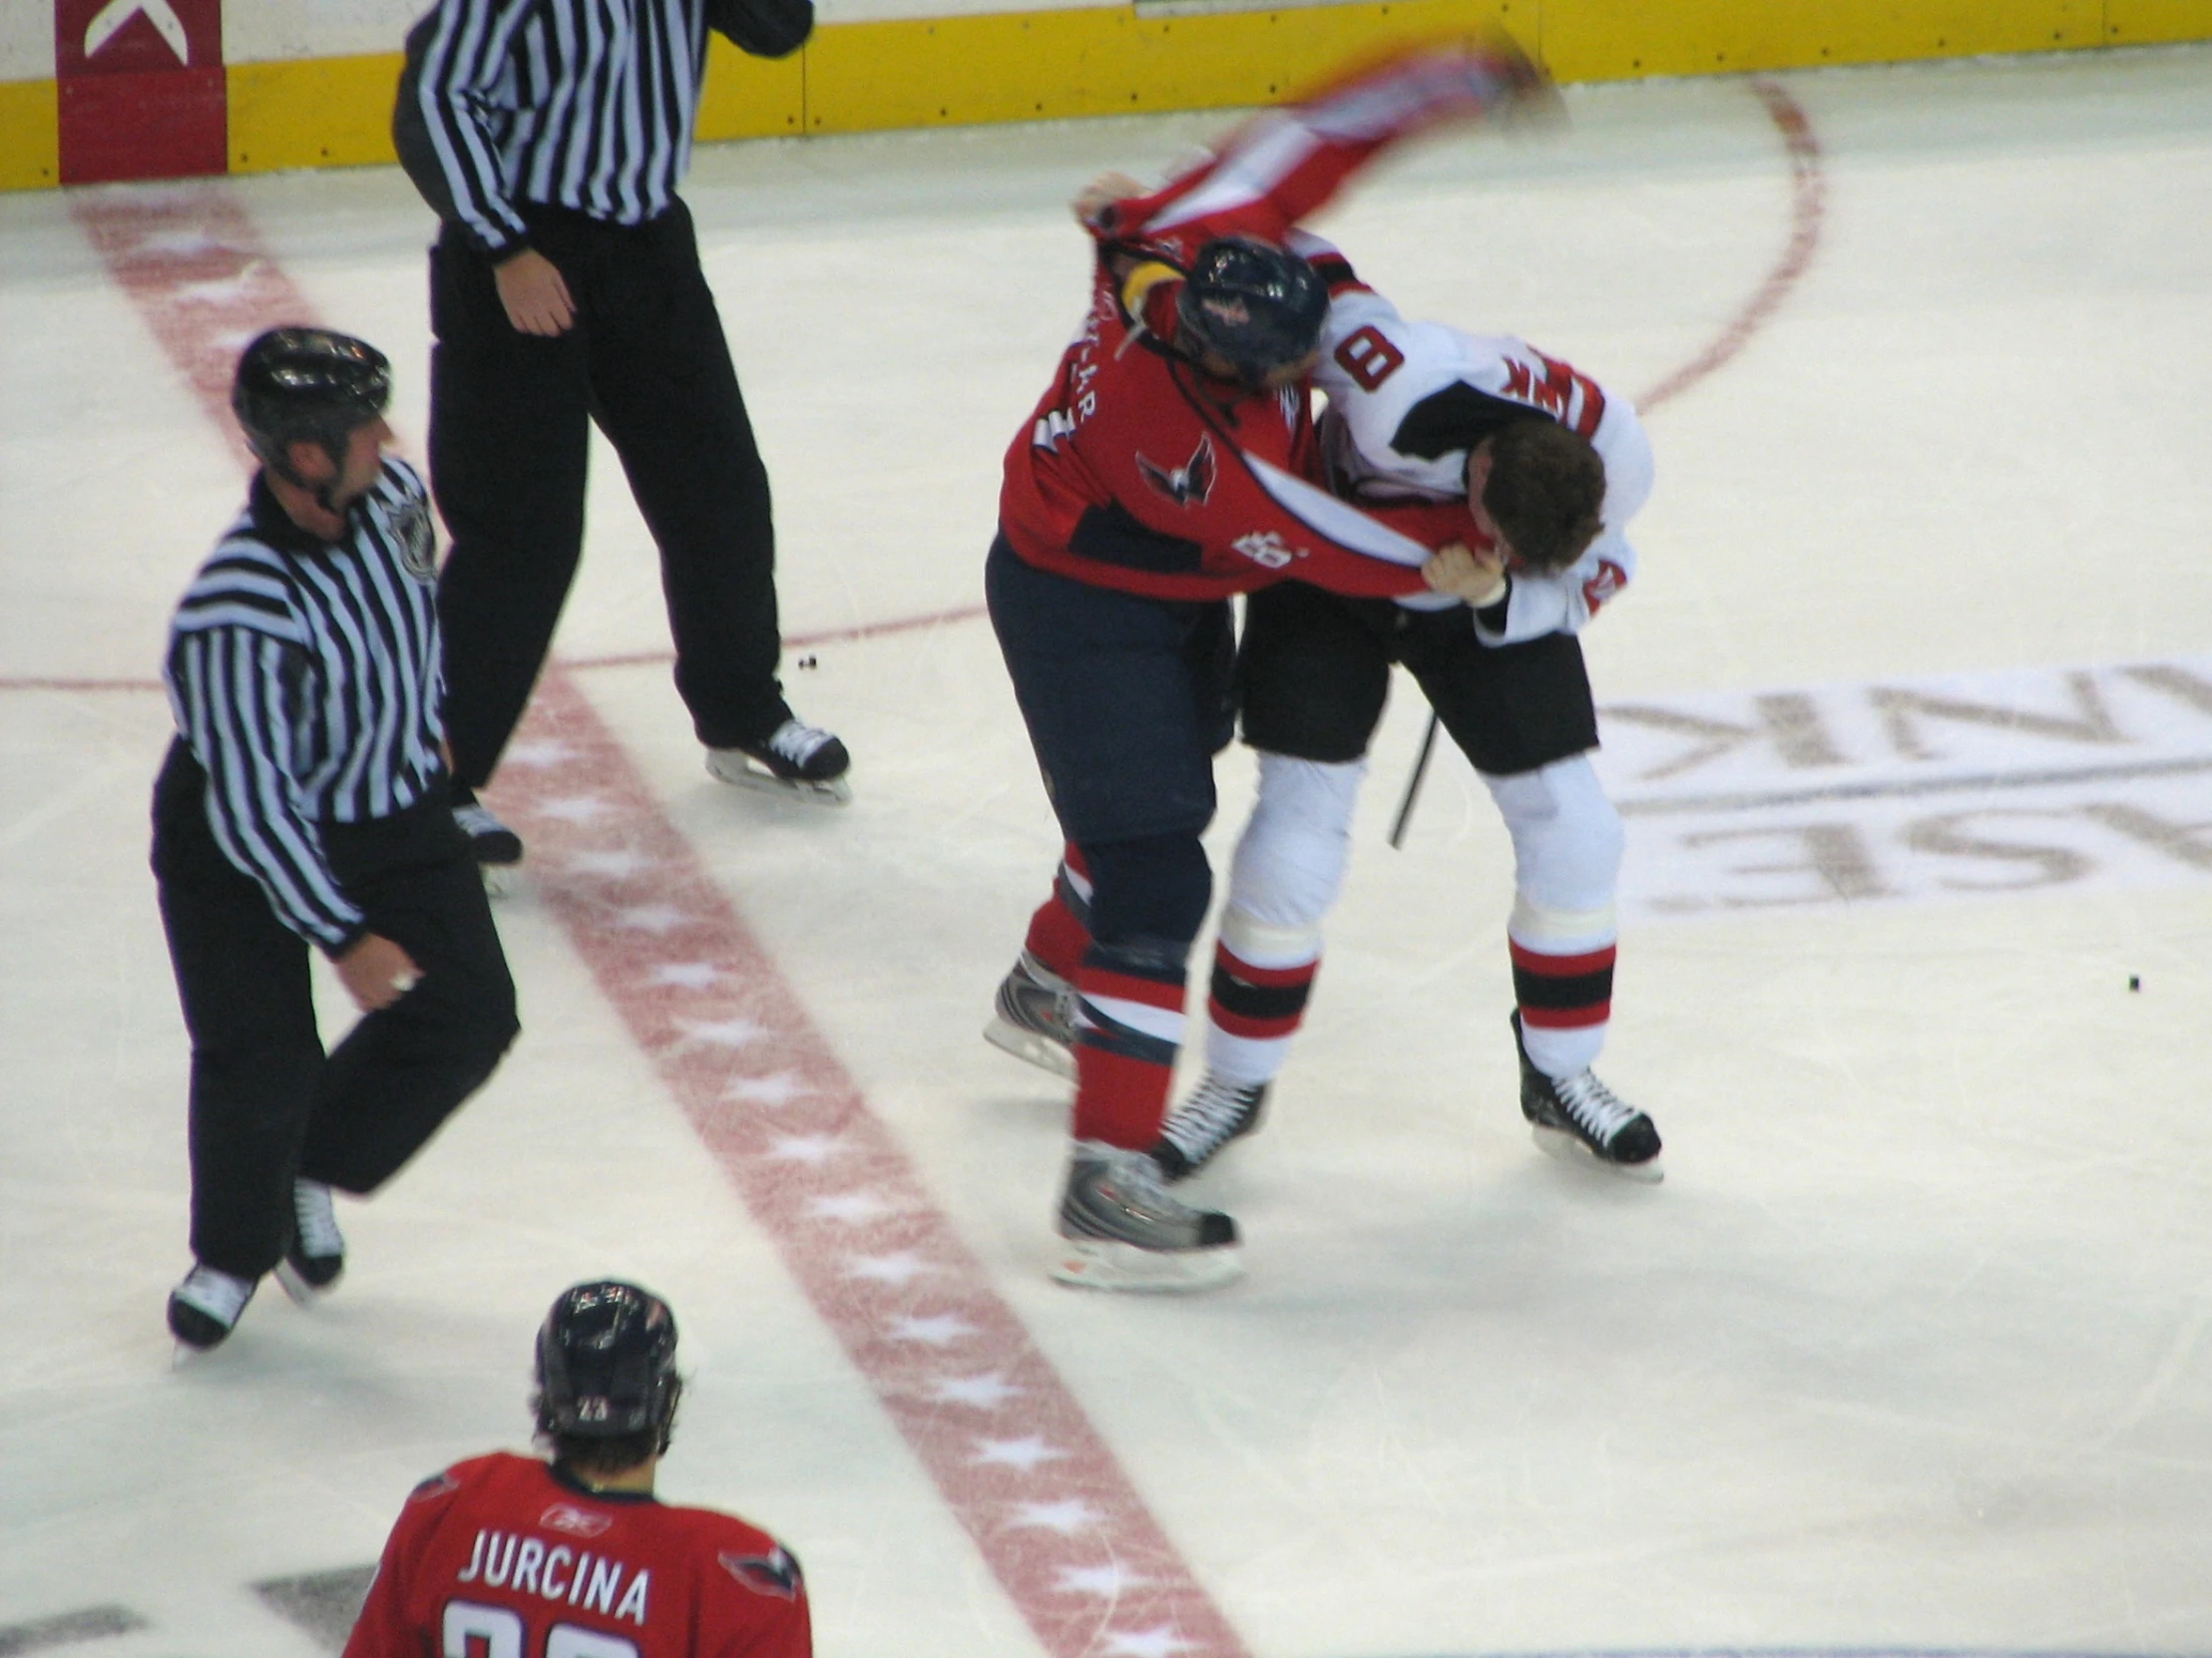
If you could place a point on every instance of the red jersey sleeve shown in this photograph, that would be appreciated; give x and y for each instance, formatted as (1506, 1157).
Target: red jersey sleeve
(1284, 164)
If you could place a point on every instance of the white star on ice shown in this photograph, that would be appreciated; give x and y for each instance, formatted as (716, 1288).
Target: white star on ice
(1025, 1454)
(852, 1208)
(188, 241)
(653, 918)
(1065, 1518)
(615, 864)
(804, 1148)
(723, 1032)
(899, 1270)
(1107, 1583)
(689, 976)
(939, 1330)
(1160, 1641)
(575, 808)
(986, 1392)
(775, 1091)
(540, 754)
(220, 290)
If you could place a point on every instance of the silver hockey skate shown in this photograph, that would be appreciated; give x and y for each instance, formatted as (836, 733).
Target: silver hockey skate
(1034, 1017)
(1120, 1228)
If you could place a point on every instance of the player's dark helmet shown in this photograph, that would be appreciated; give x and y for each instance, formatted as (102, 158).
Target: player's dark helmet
(1258, 306)
(307, 385)
(607, 1365)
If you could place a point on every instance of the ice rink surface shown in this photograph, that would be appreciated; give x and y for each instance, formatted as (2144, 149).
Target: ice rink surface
(1911, 713)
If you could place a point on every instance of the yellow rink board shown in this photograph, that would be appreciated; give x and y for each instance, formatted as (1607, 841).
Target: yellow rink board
(1105, 60)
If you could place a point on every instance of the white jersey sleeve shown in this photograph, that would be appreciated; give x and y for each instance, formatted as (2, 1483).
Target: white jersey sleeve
(1408, 399)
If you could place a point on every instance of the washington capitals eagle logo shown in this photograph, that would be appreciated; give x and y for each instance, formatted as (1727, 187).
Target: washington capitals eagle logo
(774, 1573)
(1187, 485)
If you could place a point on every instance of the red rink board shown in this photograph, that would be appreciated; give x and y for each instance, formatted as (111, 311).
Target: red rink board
(141, 87)
(1023, 1469)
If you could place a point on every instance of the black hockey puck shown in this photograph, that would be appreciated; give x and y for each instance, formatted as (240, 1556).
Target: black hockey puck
(806, 661)
(2133, 983)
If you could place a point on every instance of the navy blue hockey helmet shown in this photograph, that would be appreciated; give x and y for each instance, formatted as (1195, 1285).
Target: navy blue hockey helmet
(307, 385)
(606, 1363)
(1257, 306)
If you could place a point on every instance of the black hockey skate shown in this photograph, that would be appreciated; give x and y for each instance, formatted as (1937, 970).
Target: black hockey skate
(205, 1308)
(497, 849)
(1578, 1116)
(1033, 1018)
(795, 760)
(1217, 1113)
(315, 1257)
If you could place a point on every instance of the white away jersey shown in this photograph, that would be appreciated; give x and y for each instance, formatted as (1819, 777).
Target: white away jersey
(1407, 400)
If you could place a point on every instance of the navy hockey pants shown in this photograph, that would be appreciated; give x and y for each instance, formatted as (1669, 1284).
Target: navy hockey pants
(1127, 700)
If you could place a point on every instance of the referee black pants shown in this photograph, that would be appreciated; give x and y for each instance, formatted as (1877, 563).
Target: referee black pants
(510, 426)
(266, 1103)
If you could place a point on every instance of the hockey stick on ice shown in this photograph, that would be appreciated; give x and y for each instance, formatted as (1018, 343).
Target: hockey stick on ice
(1413, 783)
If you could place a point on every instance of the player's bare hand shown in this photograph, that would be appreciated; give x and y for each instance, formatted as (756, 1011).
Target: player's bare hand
(377, 972)
(1478, 578)
(536, 297)
(1102, 192)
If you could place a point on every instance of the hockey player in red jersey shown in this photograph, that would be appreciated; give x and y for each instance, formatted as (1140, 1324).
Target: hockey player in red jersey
(1555, 467)
(574, 1557)
(1173, 463)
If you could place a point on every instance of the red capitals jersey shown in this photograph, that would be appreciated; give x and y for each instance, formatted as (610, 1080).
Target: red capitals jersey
(503, 1557)
(1140, 473)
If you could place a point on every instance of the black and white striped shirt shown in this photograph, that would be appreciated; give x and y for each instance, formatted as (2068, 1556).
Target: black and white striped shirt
(582, 104)
(304, 676)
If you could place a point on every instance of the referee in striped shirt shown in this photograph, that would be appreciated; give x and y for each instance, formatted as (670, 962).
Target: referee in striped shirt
(304, 804)
(550, 135)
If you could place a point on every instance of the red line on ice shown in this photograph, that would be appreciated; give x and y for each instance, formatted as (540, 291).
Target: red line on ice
(1808, 207)
(1010, 1449)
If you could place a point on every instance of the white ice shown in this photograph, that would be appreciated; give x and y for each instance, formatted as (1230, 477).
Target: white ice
(1907, 1352)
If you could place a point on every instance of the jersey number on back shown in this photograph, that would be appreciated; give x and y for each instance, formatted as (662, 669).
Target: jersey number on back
(1369, 357)
(473, 1630)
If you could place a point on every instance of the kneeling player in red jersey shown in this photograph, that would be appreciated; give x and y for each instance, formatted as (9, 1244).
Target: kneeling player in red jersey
(1174, 464)
(574, 1557)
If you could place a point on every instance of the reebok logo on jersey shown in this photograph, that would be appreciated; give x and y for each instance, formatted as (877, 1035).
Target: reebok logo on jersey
(1187, 485)
(774, 1573)
(573, 1523)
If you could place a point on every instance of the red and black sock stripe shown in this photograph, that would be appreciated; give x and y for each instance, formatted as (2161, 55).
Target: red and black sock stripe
(1562, 993)
(1260, 1004)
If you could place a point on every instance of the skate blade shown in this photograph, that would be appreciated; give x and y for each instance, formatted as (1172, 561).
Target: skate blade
(743, 773)
(1568, 1148)
(1027, 1045)
(302, 1293)
(1102, 1264)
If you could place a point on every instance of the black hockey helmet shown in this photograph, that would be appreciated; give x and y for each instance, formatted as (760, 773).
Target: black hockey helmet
(307, 385)
(1256, 305)
(607, 1364)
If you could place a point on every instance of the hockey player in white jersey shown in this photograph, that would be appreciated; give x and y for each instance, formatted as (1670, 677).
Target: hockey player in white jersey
(1553, 467)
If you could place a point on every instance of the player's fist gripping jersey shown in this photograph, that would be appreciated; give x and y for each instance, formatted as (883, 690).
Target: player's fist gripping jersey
(1408, 401)
(504, 1556)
